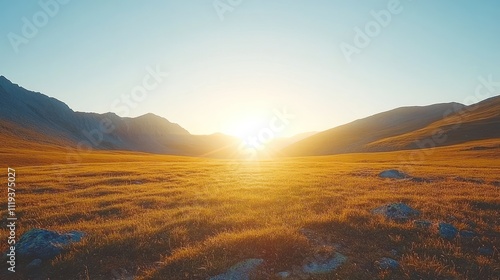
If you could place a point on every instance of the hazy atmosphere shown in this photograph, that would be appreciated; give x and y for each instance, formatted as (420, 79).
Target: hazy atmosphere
(250, 140)
(231, 65)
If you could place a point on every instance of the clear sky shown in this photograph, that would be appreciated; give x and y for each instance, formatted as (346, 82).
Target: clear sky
(233, 67)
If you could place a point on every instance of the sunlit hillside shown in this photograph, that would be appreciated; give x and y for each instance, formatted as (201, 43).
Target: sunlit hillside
(407, 128)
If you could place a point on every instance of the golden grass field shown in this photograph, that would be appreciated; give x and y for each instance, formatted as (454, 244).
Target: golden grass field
(164, 217)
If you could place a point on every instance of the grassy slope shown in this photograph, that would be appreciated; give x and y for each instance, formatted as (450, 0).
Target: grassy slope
(404, 128)
(478, 121)
(162, 217)
(354, 136)
(23, 147)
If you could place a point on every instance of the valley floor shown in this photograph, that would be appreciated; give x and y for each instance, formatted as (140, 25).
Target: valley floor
(161, 217)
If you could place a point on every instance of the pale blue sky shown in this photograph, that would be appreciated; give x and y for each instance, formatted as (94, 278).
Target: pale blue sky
(263, 55)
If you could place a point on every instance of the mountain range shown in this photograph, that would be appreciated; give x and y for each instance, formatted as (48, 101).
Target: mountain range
(32, 118)
(55, 123)
(407, 128)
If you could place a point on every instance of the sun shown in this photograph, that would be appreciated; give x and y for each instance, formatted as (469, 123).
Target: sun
(245, 122)
(244, 126)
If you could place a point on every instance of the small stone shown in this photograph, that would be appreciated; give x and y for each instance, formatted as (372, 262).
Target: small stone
(240, 271)
(284, 274)
(388, 263)
(447, 231)
(393, 174)
(485, 251)
(396, 211)
(324, 266)
(45, 244)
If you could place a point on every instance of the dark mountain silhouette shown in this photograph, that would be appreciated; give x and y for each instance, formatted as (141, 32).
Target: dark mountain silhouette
(60, 125)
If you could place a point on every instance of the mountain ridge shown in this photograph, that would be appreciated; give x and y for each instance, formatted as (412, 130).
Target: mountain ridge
(404, 128)
(397, 129)
(53, 118)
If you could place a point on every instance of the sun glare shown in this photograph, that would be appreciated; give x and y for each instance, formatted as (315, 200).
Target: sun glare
(245, 127)
(246, 118)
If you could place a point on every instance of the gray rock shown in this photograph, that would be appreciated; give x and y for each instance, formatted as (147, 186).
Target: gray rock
(396, 211)
(447, 231)
(485, 251)
(240, 271)
(284, 274)
(388, 263)
(324, 266)
(393, 174)
(45, 244)
(422, 223)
